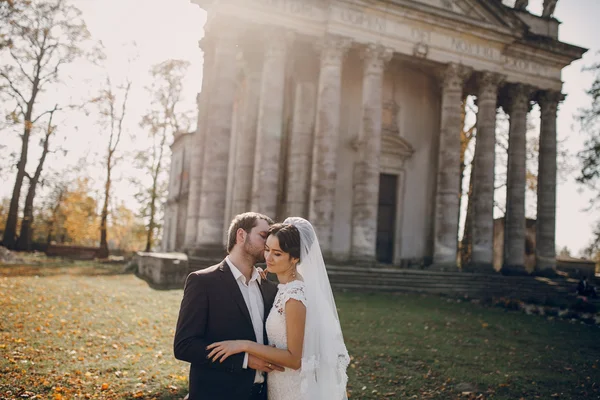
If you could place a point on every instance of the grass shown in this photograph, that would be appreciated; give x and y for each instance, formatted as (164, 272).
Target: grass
(88, 332)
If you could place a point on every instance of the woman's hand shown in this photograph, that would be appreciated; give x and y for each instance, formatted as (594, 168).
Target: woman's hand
(261, 272)
(221, 350)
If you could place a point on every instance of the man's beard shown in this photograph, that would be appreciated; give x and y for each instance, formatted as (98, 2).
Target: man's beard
(257, 255)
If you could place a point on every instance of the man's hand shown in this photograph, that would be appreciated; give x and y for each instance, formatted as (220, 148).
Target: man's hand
(261, 365)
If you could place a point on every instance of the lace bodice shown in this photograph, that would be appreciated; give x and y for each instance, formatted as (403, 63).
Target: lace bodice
(276, 322)
(283, 385)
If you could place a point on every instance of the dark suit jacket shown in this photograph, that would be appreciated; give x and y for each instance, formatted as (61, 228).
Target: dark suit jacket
(213, 310)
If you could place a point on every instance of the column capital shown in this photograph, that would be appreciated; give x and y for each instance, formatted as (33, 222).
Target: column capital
(223, 32)
(488, 83)
(518, 97)
(454, 76)
(375, 57)
(277, 41)
(206, 44)
(252, 61)
(333, 48)
(548, 100)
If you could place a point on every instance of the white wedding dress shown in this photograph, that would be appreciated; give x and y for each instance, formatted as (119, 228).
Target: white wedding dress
(324, 354)
(284, 385)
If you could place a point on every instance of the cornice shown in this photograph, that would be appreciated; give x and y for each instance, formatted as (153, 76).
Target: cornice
(508, 27)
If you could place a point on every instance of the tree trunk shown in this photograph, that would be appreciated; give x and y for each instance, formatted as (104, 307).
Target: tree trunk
(9, 239)
(154, 194)
(50, 231)
(463, 149)
(467, 241)
(24, 243)
(52, 221)
(104, 215)
(150, 235)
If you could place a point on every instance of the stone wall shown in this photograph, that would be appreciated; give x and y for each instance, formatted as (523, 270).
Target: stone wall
(74, 252)
(162, 270)
(576, 268)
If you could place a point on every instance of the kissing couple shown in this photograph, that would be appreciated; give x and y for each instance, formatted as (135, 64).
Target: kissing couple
(249, 339)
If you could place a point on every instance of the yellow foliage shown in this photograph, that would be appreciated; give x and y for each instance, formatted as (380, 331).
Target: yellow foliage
(79, 218)
(4, 205)
(126, 231)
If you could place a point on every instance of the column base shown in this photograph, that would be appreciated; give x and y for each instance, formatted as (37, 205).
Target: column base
(545, 272)
(209, 252)
(514, 270)
(362, 261)
(480, 268)
(443, 267)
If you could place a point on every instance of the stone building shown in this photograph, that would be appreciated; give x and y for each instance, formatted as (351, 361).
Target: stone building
(348, 112)
(177, 199)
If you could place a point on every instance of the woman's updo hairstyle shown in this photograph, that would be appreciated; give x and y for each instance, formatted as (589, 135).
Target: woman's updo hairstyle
(289, 238)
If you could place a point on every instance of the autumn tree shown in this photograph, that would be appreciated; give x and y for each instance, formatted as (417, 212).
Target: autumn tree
(164, 119)
(9, 12)
(24, 242)
(127, 229)
(51, 211)
(589, 157)
(4, 204)
(78, 212)
(44, 36)
(112, 104)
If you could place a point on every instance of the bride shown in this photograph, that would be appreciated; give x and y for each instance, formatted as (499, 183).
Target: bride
(303, 327)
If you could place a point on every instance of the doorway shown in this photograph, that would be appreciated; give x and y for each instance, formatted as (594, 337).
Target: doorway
(386, 217)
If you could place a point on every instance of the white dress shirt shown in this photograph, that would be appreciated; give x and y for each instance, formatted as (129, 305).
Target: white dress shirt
(253, 299)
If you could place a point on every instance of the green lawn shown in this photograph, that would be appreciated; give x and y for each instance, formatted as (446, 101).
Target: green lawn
(84, 332)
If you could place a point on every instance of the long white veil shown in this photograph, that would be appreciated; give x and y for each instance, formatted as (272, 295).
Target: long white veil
(324, 354)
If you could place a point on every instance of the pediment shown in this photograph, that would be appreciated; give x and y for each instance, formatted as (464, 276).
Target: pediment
(491, 12)
(396, 145)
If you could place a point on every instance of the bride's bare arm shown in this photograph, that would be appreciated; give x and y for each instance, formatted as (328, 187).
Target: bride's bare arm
(295, 314)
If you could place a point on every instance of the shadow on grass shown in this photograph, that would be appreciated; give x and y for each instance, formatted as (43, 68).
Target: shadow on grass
(16, 270)
(169, 394)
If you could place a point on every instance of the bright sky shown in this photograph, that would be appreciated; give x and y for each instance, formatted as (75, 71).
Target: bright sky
(165, 29)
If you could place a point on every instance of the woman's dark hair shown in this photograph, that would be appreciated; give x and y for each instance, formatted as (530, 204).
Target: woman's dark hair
(289, 238)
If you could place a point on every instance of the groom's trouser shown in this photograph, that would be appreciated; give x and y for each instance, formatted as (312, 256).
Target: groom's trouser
(259, 391)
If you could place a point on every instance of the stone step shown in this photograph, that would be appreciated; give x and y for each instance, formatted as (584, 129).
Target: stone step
(424, 281)
(471, 291)
(453, 284)
(453, 292)
(335, 276)
(428, 274)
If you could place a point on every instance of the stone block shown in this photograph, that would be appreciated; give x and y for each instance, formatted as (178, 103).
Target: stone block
(162, 270)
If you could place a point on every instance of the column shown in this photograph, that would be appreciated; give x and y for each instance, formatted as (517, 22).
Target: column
(448, 175)
(300, 149)
(216, 147)
(197, 155)
(246, 146)
(514, 220)
(546, 194)
(483, 173)
(367, 169)
(270, 126)
(327, 125)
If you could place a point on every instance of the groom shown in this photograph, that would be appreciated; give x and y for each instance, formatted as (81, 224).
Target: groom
(225, 302)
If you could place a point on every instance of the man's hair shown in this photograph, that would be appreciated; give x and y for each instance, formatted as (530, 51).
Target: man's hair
(246, 221)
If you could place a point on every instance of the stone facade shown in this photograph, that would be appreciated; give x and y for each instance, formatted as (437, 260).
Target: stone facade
(176, 207)
(348, 113)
